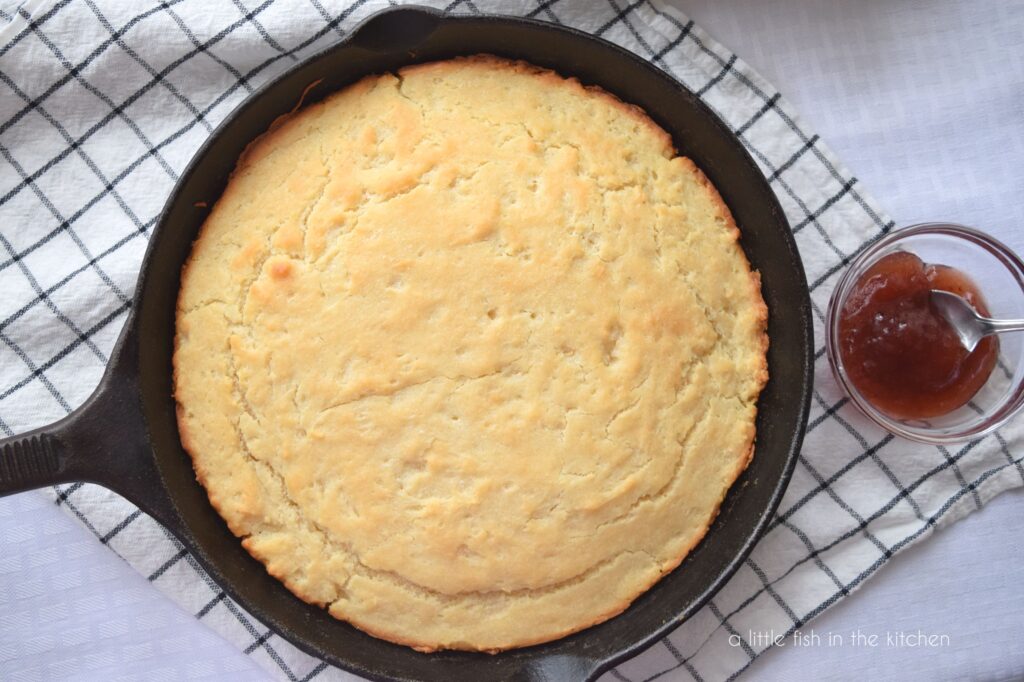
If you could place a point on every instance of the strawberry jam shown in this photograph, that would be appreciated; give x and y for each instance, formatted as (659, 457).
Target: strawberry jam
(899, 352)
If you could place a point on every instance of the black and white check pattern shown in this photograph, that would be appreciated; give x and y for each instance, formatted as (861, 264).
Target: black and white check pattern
(102, 106)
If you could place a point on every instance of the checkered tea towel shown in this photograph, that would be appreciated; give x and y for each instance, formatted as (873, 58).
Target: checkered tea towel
(103, 103)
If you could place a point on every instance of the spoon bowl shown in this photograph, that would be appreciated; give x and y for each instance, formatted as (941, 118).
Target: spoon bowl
(970, 327)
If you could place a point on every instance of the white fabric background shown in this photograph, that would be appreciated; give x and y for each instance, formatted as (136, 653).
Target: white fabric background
(925, 103)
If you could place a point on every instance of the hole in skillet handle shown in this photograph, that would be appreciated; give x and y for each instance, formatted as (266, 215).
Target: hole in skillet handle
(399, 29)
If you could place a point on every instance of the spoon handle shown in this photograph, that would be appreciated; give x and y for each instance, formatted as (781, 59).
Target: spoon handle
(990, 326)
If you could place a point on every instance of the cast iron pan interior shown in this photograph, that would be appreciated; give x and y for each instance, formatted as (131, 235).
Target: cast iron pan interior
(129, 424)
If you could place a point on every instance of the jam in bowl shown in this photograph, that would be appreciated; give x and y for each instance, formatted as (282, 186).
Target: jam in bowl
(900, 360)
(900, 351)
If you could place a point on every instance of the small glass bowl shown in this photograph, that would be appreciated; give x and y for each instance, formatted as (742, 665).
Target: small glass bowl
(999, 274)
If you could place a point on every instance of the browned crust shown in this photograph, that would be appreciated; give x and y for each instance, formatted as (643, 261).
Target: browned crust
(188, 445)
(755, 276)
(641, 117)
(381, 633)
(523, 67)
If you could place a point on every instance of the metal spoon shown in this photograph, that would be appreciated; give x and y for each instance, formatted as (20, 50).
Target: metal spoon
(969, 326)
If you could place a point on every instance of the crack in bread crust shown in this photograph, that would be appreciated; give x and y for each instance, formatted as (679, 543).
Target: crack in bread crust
(489, 359)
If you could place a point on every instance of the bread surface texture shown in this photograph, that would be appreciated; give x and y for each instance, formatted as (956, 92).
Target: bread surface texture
(468, 355)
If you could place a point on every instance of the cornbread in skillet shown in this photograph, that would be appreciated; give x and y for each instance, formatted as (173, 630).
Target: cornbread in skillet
(468, 355)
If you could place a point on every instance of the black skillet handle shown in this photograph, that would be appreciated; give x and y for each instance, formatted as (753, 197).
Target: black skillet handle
(104, 441)
(558, 668)
(397, 29)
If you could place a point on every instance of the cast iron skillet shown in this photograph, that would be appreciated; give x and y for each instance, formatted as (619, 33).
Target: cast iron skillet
(125, 436)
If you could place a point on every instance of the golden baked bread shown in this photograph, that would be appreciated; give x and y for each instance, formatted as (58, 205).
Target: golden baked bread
(468, 355)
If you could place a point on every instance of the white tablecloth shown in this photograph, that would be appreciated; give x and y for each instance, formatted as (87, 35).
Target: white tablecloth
(925, 103)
